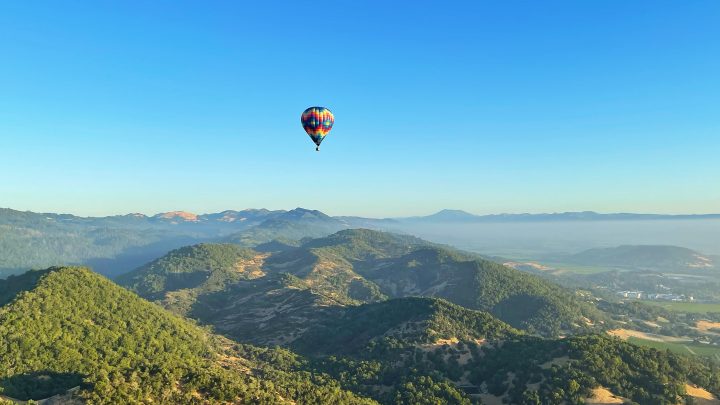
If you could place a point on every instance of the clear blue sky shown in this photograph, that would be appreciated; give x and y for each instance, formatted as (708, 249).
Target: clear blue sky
(147, 106)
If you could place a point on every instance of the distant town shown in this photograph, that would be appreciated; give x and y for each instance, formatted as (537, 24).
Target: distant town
(655, 296)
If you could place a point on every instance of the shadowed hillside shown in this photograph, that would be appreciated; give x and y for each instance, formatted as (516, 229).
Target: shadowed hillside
(359, 266)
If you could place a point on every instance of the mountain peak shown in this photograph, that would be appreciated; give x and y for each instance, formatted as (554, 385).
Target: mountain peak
(451, 215)
(304, 213)
(132, 215)
(175, 215)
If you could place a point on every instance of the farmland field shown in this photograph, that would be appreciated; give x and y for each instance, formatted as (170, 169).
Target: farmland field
(689, 348)
(693, 307)
(581, 269)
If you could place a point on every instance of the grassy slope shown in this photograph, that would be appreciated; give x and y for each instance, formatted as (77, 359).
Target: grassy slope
(692, 307)
(689, 348)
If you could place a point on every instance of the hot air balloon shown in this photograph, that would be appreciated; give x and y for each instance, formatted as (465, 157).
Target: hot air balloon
(317, 122)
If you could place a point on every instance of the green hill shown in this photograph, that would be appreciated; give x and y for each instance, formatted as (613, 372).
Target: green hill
(72, 333)
(352, 267)
(407, 322)
(205, 267)
(402, 266)
(523, 300)
(68, 328)
(273, 310)
(645, 257)
(362, 244)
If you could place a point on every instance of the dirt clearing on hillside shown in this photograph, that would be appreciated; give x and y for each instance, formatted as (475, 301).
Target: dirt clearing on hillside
(624, 334)
(701, 396)
(707, 326)
(603, 396)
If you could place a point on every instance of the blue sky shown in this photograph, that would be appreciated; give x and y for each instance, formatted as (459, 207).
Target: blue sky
(136, 106)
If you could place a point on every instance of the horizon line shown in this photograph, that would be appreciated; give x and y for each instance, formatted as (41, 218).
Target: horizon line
(372, 217)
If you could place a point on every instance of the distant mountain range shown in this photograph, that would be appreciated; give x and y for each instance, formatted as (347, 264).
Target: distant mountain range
(10, 216)
(255, 216)
(116, 244)
(462, 216)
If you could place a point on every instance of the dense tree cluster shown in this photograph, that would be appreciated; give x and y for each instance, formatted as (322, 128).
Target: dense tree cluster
(71, 327)
(358, 266)
(206, 267)
(523, 300)
(566, 370)
(405, 321)
(327, 300)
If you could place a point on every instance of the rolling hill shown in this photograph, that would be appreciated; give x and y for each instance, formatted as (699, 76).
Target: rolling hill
(116, 244)
(205, 267)
(402, 266)
(407, 322)
(273, 310)
(523, 300)
(349, 302)
(352, 267)
(292, 225)
(645, 257)
(73, 333)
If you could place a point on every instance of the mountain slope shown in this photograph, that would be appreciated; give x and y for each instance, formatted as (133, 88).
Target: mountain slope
(329, 265)
(362, 266)
(71, 332)
(206, 267)
(520, 299)
(647, 257)
(406, 322)
(402, 266)
(273, 310)
(292, 225)
(72, 328)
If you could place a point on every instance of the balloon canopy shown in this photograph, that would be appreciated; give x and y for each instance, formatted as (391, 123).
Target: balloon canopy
(317, 122)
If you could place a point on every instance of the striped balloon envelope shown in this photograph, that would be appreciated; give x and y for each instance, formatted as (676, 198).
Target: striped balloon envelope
(317, 122)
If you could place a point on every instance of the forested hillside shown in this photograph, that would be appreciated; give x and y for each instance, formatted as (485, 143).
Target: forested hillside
(352, 267)
(72, 333)
(645, 257)
(205, 267)
(402, 266)
(69, 327)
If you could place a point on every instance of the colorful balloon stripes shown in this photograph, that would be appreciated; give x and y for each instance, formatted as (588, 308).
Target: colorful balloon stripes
(317, 122)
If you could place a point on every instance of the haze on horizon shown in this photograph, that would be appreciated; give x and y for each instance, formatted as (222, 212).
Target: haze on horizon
(180, 212)
(489, 108)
